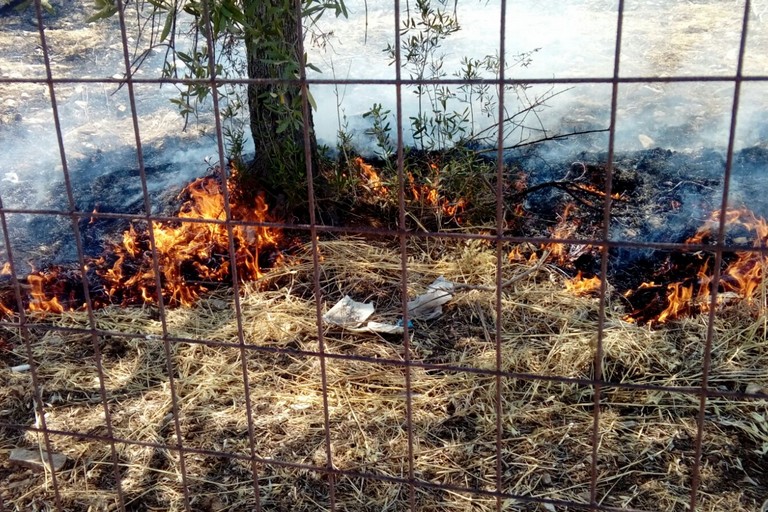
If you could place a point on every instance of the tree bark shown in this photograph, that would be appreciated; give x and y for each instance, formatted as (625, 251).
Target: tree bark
(277, 124)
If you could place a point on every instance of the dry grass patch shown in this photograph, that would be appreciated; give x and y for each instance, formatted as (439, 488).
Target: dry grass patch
(646, 437)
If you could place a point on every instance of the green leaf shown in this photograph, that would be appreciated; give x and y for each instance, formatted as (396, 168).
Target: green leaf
(168, 25)
(283, 125)
(105, 12)
(311, 100)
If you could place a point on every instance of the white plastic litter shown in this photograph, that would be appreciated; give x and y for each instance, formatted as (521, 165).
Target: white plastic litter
(380, 327)
(349, 313)
(352, 315)
(429, 305)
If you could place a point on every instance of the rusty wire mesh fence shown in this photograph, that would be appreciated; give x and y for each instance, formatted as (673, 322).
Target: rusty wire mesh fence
(524, 402)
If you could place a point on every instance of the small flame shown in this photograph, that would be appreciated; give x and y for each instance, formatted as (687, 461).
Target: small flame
(429, 195)
(679, 299)
(39, 301)
(372, 177)
(516, 254)
(588, 187)
(580, 285)
(744, 275)
(565, 228)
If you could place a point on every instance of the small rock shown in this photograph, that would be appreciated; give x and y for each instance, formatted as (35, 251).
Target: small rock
(32, 459)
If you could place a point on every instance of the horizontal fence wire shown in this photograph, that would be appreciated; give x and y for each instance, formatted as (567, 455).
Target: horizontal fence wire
(323, 466)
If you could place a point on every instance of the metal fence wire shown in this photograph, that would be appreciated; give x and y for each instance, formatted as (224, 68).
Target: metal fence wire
(513, 399)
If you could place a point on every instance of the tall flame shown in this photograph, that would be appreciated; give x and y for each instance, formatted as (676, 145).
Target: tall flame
(194, 254)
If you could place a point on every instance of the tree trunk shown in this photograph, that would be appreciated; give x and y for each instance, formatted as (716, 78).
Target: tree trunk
(277, 124)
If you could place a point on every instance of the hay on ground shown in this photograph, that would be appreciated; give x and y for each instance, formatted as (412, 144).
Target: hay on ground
(646, 437)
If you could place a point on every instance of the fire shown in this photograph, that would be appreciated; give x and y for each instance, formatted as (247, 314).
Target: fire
(39, 300)
(372, 177)
(425, 194)
(588, 187)
(193, 255)
(428, 195)
(523, 253)
(54, 290)
(565, 228)
(744, 275)
(679, 302)
(516, 254)
(741, 277)
(580, 285)
(422, 192)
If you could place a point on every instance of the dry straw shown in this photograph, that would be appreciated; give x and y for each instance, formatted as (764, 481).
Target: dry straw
(646, 437)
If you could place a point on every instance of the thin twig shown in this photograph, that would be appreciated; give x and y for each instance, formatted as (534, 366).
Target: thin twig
(544, 139)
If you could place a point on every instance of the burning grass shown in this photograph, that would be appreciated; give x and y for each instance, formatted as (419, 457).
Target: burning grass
(647, 437)
(548, 327)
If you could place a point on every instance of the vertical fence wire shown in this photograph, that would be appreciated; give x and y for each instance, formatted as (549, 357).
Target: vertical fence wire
(411, 480)
(402, 235)
(719, 250)
(500, 220)
(224, 177)
(604, 256)
(316, 270)
(156, 269)
(75, 222)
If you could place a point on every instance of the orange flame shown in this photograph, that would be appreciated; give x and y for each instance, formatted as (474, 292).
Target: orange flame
(565, 228)
(516, 254)
(429, 195)
(679, 298)
(194, 254)
(372, 177)
(39, 301)
(588, 187)
(742, 277)
(580, 285)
